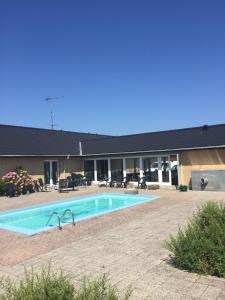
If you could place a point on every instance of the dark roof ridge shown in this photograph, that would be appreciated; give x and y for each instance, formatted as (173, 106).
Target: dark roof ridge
(154, 132)
(178, 129)
(51, 130)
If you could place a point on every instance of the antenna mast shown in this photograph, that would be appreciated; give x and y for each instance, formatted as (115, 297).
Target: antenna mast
(50, 99)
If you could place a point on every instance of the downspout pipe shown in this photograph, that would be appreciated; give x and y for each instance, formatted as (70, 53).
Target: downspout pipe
(80, 148)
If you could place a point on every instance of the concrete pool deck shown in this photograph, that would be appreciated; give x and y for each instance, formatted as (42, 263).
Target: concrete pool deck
(128, 244)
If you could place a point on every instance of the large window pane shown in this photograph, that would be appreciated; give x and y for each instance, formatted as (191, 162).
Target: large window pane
(132, 168)
(54, 172)
(102, 169)
(116, 168)
(89, 169)
(47, 172)
(165, 166)
(173, 168)
(151, 169)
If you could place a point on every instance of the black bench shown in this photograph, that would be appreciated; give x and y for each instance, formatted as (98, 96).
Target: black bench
(67, 184)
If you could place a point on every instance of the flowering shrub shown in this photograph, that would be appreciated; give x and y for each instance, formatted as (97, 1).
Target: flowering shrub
(10, 177)
(19, 180)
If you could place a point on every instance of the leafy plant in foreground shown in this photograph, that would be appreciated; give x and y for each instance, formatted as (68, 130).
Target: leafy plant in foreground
(200, 246)
(56, 285)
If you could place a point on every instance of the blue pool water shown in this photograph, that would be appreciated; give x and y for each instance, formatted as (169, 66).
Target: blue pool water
(33, 219)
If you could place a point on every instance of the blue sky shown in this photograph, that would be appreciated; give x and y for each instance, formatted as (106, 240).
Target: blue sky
(122, 66)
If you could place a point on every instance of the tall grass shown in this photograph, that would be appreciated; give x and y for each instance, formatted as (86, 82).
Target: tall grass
(200, 246)
(56, 285)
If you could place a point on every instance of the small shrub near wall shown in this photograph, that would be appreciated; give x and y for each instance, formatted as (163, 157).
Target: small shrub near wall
(200, 247)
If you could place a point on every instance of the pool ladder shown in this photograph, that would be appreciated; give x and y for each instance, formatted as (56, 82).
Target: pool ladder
(60, 219)
(72, 214)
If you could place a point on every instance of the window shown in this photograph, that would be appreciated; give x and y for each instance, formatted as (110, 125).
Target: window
(151, 169)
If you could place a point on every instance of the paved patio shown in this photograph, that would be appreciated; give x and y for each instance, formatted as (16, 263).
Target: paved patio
(128, 244)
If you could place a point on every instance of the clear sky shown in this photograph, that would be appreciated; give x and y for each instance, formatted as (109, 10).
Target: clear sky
(123, 66)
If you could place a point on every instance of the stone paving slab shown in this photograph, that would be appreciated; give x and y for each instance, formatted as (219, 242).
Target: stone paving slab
(127, 244)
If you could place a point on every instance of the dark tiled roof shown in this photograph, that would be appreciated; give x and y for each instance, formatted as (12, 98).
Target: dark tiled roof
(196, 137)
(16, 140)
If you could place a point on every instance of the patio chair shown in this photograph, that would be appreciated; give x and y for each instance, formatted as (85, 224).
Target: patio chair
(102, 182)
(109, 182)
(118, 182)
(142, 182)
(124, 182)
(113, 182)
(43, 187)
(74, 182)
(88, 180)
(63, 185)
(36, 186)
(85, 181)
(77, 179)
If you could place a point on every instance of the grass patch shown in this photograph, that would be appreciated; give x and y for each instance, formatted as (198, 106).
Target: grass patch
(56, 285)
(200, 246)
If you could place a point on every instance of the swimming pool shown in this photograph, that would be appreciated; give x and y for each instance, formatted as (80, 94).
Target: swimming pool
(33, 219)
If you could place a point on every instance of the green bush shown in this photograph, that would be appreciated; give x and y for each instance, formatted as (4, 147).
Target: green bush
(55, 285)
(2, 187)
(46, 285)
(200, 246)
(100, 289)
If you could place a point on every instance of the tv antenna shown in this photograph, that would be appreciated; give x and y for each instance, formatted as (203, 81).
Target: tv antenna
(52, 99)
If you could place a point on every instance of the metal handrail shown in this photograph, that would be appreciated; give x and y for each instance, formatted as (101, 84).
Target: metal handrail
(72, 214)
(58, 217)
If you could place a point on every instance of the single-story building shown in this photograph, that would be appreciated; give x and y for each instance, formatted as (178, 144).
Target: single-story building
(44, 153)
(54, 154)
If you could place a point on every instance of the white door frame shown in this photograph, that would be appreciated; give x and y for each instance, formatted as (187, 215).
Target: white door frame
(50, 163)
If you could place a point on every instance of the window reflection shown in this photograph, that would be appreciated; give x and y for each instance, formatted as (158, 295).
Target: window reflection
(151, 169)
(165, 166)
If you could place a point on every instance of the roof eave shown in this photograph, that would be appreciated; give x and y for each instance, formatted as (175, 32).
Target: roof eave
(157, 150)
(38, 155)
(111, 153)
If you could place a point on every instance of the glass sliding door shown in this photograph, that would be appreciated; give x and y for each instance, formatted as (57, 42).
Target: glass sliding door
(132, 168)
(89, 169)
(116, 168)
(55, 174)
(151, 169)
(174, 169)
(51, 172)
(47, 172)
(165, 167)
(161, 169)
(102, 169)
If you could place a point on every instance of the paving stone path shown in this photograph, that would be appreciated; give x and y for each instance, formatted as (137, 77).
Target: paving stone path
(127, 244)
